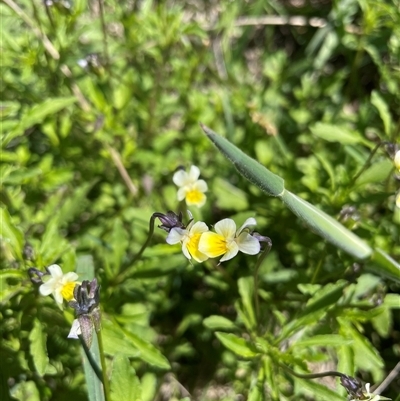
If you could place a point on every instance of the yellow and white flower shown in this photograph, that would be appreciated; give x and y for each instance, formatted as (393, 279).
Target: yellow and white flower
(367, 396)
(228, 242)
(397, 160)
(190, 187)
(189, 237)
(60, 285)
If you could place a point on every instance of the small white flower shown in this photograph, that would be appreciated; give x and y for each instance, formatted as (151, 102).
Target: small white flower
(75, 330)
(368, 396)
(190, 187)
(189, 238)
(60, 285)
(228, 242)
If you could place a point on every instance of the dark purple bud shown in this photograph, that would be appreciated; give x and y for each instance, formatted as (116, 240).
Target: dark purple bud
(170, 220)
(36, 275)
(352, 385)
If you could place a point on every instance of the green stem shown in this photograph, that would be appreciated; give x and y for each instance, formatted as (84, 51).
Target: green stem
(366, 164)
(106, 383)
(312, 375)
(255, 276)
(91, 360)
(123, 275)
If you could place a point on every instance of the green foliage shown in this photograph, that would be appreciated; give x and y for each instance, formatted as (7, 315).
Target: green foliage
(100, 105)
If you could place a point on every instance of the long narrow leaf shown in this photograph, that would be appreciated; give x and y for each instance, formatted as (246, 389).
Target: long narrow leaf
(316, 219)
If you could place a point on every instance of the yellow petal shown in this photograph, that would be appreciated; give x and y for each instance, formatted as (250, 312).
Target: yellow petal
(193, 248)
(212, 244)
(67, 290)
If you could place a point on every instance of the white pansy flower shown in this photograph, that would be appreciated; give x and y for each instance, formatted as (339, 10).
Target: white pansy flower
(190, 187)
(228, 242)
(189, 237)
(60, 285)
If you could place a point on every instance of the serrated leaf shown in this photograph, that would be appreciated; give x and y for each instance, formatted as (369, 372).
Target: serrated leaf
(237, 344)
(148, 352)
(215, 322)
(125, 385)
(37, 347)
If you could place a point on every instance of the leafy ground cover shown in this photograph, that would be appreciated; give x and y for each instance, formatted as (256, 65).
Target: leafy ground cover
(102, 102)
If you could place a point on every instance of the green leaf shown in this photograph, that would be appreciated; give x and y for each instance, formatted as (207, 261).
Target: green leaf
(317, 390)
(228, 196)
(323, 340)
(215, 322)
(93, 383)
(327, 227)
(246, 291)
(25, 391)
(318, 221)
(237, 345)
(334, 133)
(38, 347)
(115, 341)
(37, 115)
(392, 301)
(381, 263)
(125, 385)
(85, 267)
(148, 352)
(10, 234)
(378, 172)
(383, 109)
(248, 167)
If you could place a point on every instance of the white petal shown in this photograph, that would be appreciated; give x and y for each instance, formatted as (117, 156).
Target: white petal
(55, 271)
(198, 228)
(185, 250)
(47, 288)
(180, 178)
(232, 252)
(251, 221)
(201, 186)
(75, 330)
(248, 244)
(181, 194)
(226, 228)
(70, 276)
(175, 236)
(194, 173)
(58, 297)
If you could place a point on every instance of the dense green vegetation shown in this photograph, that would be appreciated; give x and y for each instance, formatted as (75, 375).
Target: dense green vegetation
(101, 102)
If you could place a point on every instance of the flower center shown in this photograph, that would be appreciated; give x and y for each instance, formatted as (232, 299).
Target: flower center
(67, 290)
(194, 196)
